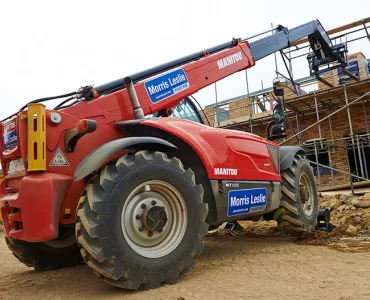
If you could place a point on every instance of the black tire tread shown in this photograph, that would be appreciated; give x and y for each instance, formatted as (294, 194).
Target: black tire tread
(289, 216)
(42, 257)
(94, 248)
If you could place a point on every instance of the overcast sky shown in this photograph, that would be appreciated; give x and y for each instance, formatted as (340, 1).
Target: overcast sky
(49, 49)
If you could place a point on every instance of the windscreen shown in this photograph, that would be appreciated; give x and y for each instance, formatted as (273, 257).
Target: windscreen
(187, 110)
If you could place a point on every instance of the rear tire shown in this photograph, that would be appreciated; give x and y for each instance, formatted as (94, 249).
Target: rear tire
(299, 204)
(43, 257)
(115, 211)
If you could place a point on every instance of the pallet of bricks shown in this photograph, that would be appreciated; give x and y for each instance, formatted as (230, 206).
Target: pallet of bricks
(357, 66)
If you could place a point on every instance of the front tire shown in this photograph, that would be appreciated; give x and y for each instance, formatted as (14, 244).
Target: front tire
(141, 221)
(299, 204)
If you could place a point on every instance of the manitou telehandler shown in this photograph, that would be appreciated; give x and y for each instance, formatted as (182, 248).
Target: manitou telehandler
(110, 177)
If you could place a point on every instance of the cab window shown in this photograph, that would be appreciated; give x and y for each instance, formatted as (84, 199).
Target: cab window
(187, 110)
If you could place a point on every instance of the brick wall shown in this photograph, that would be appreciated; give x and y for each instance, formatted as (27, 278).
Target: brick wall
(236, 109)
(209, 112)
(239, 108)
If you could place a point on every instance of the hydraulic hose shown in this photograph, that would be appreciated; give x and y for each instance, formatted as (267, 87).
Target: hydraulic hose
(41, 100)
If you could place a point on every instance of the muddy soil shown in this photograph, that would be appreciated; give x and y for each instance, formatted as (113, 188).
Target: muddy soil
(258, 262)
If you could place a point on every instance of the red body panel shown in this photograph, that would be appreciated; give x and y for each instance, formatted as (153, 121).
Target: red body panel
(32, 204)
(32, 214)
(221, 148)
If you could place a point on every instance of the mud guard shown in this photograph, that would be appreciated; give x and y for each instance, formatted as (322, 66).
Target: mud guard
(95, 158)
(287, 154)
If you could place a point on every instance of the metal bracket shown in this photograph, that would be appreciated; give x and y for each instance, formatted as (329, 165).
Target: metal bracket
(233, 225)
(323, 221)
(324, 81)
(345, 71)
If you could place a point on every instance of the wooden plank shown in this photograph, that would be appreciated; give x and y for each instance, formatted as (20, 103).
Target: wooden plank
(344, 186)
(260, 104)
(245, 118)
(336, 30)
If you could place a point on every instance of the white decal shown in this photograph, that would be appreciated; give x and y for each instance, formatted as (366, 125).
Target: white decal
(225, 171)
(228, 184)
(229, 60)
(9, 127)
(16, 166)
(59, 160)
(235, 201)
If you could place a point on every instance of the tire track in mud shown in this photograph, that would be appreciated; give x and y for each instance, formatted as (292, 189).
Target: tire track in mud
(231, 267)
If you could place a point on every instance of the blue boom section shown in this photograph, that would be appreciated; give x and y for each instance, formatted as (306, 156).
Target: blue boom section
(283, 38)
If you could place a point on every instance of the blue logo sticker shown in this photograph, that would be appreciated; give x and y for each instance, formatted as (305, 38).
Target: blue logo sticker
(246, 201)
(10, 140)
(166, 85)
(10, 136)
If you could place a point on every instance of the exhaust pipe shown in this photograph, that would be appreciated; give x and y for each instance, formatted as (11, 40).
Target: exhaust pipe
(138, 111)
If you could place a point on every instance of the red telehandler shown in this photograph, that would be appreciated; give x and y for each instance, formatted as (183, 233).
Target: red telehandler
(100, 178)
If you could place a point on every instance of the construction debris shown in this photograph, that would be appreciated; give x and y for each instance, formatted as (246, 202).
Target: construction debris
(351, 214)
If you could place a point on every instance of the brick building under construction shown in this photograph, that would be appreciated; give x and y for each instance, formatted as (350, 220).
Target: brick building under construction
(331, 123)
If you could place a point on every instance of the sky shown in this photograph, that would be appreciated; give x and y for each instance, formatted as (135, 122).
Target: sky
(54, 47)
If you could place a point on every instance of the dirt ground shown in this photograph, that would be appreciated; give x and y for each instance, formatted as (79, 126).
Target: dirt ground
(258, 262)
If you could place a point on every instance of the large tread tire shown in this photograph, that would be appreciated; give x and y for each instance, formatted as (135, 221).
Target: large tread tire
(99, 231)
(291, 215)
(43, 257)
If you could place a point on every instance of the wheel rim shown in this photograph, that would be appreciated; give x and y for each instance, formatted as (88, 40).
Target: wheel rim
(307, 194)
(154, 219)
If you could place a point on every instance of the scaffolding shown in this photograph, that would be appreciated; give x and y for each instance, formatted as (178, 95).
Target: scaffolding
(322, 106)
